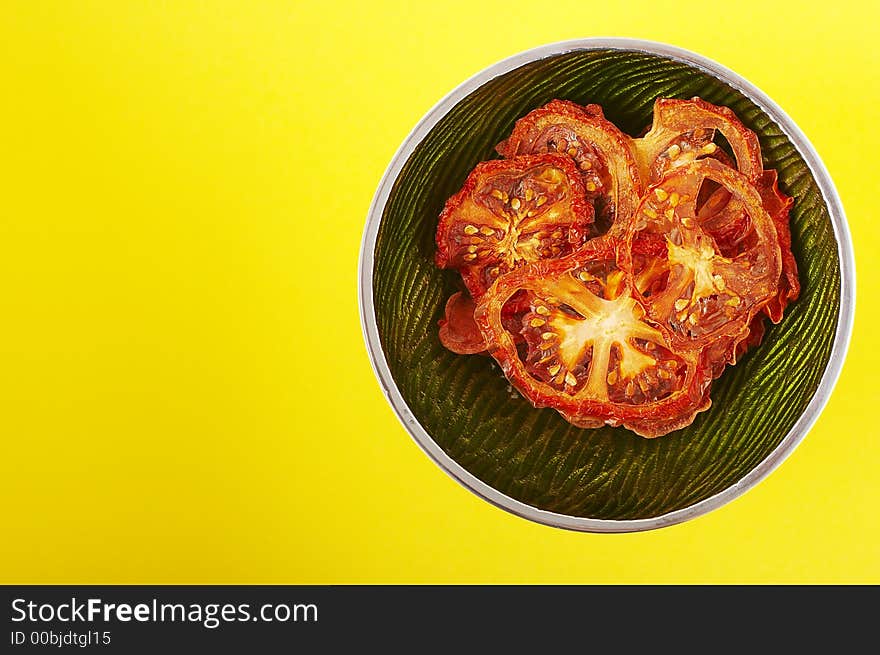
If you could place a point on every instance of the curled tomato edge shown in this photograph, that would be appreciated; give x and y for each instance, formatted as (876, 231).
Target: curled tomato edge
(458, 332)
(778, 205)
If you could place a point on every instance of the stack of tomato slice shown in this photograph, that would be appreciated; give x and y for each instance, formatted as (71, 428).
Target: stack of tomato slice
(614, 278)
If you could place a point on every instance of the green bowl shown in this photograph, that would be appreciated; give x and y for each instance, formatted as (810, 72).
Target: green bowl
(462, 411)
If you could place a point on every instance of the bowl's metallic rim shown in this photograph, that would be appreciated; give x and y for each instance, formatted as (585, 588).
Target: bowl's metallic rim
(801, 426)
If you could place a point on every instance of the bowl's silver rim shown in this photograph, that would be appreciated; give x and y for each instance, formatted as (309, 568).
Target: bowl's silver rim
(801, 426)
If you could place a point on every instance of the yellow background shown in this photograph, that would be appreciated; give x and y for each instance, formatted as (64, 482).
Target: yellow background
(185, 393)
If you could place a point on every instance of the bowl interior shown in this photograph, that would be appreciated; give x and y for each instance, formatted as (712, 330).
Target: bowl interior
(533, 455)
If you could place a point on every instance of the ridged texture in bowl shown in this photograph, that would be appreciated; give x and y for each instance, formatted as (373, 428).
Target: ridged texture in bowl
(533, 455)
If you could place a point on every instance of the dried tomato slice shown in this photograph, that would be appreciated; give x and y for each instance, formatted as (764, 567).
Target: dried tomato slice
(509, 213)
(703, 295)
(589, 350)
(683, 131)
(755, 336)
(778, 206)
(599, 149)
